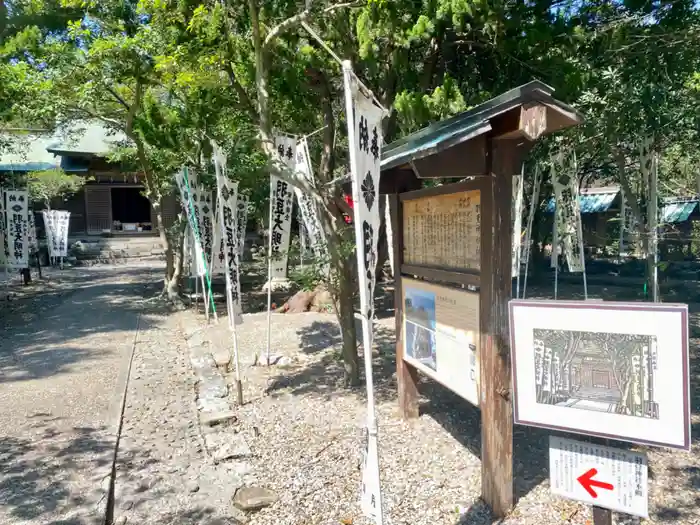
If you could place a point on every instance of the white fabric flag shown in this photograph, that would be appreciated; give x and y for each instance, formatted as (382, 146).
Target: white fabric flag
(281, 204)
(365, 193)
(308, 209)
(217, 262)
(241, 222)
(567, 213)
(227, 192)
(188, 199)
(206, 219)
(518, 192)
(365, 142)
(370, 498)
(31, 231)
(59, 236)
(17, 210)
(389, 233)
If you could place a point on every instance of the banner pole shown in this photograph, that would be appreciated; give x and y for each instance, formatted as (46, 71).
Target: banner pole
(365, 301)
(269, 281)
(219, 166)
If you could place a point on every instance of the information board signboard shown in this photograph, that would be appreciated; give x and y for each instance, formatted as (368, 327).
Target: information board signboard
(443, 231)
(441, 335)
(607, 477)
(608, 369)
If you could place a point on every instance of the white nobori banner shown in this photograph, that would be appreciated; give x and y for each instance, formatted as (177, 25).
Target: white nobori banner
(567, 212)
(241, 222)
(187, 183)
(56, 224)
(364, 142)
(281, 204)
(17, 209)
(308, 209)
(227, 192)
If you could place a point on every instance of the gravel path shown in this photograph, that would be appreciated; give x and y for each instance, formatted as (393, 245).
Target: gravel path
(62, 359)
(305, 431)
(164, 476)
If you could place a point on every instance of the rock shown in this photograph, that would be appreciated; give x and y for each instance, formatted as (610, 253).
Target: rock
(253, 498)
(212, 386)
(192, 486)
(121, 520)
(299, 302)
(201, 360)
(226, 445)
(222, 356)
(322, 302)
(126, 505)
(213, 404)
(216, 418)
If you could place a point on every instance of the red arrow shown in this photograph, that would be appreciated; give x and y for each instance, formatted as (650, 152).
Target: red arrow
(587, 482)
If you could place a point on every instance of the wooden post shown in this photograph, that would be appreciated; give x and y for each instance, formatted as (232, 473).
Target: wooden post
(601, 516)
(496, 289)
(406, 375)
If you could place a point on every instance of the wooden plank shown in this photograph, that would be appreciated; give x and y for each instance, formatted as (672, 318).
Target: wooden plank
(445, 189)
(496, 289)
(438, 274)
(406, 375)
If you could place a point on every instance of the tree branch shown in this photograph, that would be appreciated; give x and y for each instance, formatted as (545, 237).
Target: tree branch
(297, 19)
(246, 103)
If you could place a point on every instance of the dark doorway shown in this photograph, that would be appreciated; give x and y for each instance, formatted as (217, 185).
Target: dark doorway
(130, 206)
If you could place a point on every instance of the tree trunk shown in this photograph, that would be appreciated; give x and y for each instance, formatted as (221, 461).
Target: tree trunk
(345, 311)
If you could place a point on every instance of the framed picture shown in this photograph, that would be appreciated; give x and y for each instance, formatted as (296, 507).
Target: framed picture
(607, 369)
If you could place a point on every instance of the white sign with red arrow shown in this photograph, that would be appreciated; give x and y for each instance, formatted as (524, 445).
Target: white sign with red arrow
(607, 477)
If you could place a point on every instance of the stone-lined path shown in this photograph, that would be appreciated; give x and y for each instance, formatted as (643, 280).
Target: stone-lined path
(63, 367)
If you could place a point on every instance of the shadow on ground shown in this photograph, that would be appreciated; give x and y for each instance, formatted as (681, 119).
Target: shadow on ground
(42, 335)
(324, 376)
(50, 476)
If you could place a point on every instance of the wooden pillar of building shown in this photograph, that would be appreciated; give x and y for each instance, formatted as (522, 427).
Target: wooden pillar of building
(496, 289)
(406, 375)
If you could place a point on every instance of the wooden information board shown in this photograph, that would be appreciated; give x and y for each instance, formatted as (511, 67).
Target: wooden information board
(443, 231)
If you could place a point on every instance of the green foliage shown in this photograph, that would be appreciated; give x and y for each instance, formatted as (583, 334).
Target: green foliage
(53, 185)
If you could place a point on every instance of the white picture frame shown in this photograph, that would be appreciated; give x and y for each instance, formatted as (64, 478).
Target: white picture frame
(608, 369)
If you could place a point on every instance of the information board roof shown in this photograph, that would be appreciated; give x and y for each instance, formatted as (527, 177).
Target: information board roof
(469, 124)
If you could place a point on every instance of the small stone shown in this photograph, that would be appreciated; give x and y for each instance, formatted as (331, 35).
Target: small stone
(216, 418)
(121, 520)
(192, 486)
(253, 498)
(126, 505)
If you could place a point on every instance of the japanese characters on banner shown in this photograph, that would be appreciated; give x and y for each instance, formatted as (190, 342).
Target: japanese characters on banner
(205, 219)
(56, 224)
(306, 205)
(567, 214)
(217, 262)
(4, 251)
(281, 204)
(364, 143)
(226, 193)
(241, 222)
(31, 231)
(17, 207)
(365, 187)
